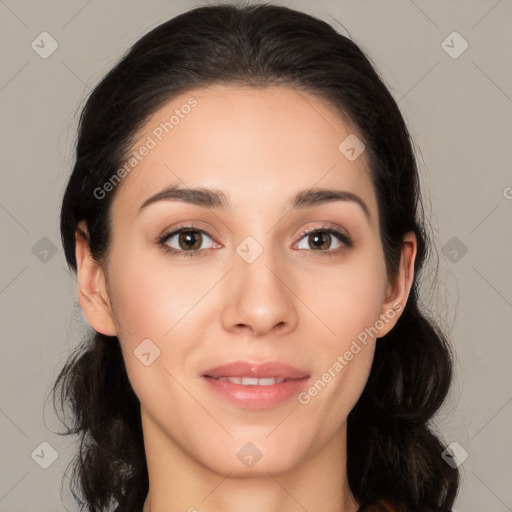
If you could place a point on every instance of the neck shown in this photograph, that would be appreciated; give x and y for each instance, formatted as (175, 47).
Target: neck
(178, 482)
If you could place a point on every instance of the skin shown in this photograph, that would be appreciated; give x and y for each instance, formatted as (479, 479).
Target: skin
(260, 147)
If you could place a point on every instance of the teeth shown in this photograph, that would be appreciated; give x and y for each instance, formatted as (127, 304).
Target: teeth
(252, 381)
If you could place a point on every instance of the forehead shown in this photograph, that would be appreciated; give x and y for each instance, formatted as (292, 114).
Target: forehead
(256, 144)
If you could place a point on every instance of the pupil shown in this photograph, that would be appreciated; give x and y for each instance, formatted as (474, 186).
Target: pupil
(315, 237)
(187, 237)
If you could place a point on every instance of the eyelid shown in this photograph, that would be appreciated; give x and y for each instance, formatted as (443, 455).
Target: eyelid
(190, 225)
(329, 227)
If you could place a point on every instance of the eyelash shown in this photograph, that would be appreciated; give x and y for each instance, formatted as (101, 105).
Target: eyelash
(344, 239)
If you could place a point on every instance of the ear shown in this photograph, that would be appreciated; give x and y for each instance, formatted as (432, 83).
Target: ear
(398, 292)
(92, 290)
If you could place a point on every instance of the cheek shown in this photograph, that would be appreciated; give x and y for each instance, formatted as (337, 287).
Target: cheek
(338, 384)
(153, 298)
(349, 304)
(346, 300)
(156, 308)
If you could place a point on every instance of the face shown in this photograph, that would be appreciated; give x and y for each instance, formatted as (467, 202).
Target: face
(265, 277)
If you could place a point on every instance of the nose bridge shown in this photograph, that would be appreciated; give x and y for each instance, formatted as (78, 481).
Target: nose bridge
(257, 268)
(257, 250)
(257, 296)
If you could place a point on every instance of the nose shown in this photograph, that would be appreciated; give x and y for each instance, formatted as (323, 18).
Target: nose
(259, 298)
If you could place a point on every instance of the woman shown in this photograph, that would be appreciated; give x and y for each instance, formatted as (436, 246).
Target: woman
(244, 218)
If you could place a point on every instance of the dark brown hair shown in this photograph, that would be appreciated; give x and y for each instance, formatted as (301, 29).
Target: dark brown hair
(393, 452)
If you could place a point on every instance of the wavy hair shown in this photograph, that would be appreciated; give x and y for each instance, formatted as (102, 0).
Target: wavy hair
(393, 452)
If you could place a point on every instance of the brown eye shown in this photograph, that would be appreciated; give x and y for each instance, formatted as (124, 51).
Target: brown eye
(189, 240)
(320, 240)
(185, 240)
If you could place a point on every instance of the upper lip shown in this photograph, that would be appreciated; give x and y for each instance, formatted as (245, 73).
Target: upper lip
(256, 370)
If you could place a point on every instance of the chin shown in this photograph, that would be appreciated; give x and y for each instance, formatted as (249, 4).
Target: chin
(249, 460)
(260, 469)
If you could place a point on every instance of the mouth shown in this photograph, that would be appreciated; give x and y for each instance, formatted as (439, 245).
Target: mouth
(255, 386)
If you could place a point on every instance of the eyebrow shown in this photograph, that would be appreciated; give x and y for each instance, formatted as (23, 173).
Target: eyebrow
(216, 199)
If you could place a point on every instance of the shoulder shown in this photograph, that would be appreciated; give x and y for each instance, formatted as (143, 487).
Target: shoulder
(389, 506)
(385, 505)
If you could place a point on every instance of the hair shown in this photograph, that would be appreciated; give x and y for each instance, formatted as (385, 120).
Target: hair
(393, 452)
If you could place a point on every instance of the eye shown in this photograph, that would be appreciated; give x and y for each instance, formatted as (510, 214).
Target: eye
(185, 241)
(188, 241)
(321, 240)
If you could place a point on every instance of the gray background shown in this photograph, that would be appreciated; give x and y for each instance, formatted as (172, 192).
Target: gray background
(459, 111)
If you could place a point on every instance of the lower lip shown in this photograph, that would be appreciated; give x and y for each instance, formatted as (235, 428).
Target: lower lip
(257, 397)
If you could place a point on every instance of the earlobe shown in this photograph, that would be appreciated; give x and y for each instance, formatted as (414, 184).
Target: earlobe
(92, 289)
(398, 292)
